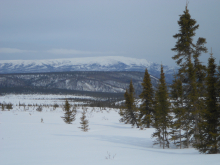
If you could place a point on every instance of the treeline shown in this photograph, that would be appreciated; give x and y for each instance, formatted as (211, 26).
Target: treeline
(42, 90)
(39, 107)
(189, 114)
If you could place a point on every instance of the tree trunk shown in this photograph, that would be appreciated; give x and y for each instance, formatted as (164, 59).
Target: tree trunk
(134, 118)
(187, 138)
(163, 138)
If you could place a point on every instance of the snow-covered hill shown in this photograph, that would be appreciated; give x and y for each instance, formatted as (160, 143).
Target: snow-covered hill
(109, 63)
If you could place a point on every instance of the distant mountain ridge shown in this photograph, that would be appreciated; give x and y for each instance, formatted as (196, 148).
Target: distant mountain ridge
(107, 63)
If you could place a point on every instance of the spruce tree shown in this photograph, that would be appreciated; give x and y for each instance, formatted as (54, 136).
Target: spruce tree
(84, 122)
(186, 108)
(191, 74)
(146, 108)
(129, 111)
(178, 110)
(200, 71)
(192, 105)
(69, 115)
(3, 107)
(199, 68)
(162, 118)
(210, 126)
(184, 45)
(66, 105)
(218, 84)
(186, 49)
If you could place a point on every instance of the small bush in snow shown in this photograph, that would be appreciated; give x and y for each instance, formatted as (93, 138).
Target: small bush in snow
(84, 122)
(39, 109)
(9, 106)
(109, 156)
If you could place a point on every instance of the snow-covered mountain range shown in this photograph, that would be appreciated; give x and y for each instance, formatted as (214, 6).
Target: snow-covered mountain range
(109, 63)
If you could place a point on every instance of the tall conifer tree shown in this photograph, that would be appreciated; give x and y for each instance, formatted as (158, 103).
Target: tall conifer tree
(218, 86)
(129, 111)
(210, 126)
(199, 68)
(162, 113)
(200, 71)
(184, 45)
(146, 108)
(192, 75)
(69, 115)
(192, 105)
(178, 110)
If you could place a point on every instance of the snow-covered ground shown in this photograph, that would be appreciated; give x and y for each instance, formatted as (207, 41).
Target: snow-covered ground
(40, 99)
(24, 140)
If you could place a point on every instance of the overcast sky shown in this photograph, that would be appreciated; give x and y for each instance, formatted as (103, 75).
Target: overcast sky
(49, 29)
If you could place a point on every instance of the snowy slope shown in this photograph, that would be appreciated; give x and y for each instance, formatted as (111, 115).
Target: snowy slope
(24, 140)
(109, 63)
(84, 62)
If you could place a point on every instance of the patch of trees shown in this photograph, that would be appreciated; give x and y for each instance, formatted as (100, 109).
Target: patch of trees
(70, 116)
(38, 107)
(189, 114)
(6, 106)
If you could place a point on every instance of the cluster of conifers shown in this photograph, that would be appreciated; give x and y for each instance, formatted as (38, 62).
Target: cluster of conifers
(70, 116)
(188, 114)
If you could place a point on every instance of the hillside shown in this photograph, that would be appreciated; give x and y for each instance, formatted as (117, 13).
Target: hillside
(93, 81)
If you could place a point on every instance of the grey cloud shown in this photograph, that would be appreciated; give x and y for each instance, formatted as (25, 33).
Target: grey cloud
(57, 51)
(13, 50)
(142, 29)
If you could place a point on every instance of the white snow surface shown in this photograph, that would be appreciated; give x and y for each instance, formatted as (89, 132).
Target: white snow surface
(40, 99)
(24, 140)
